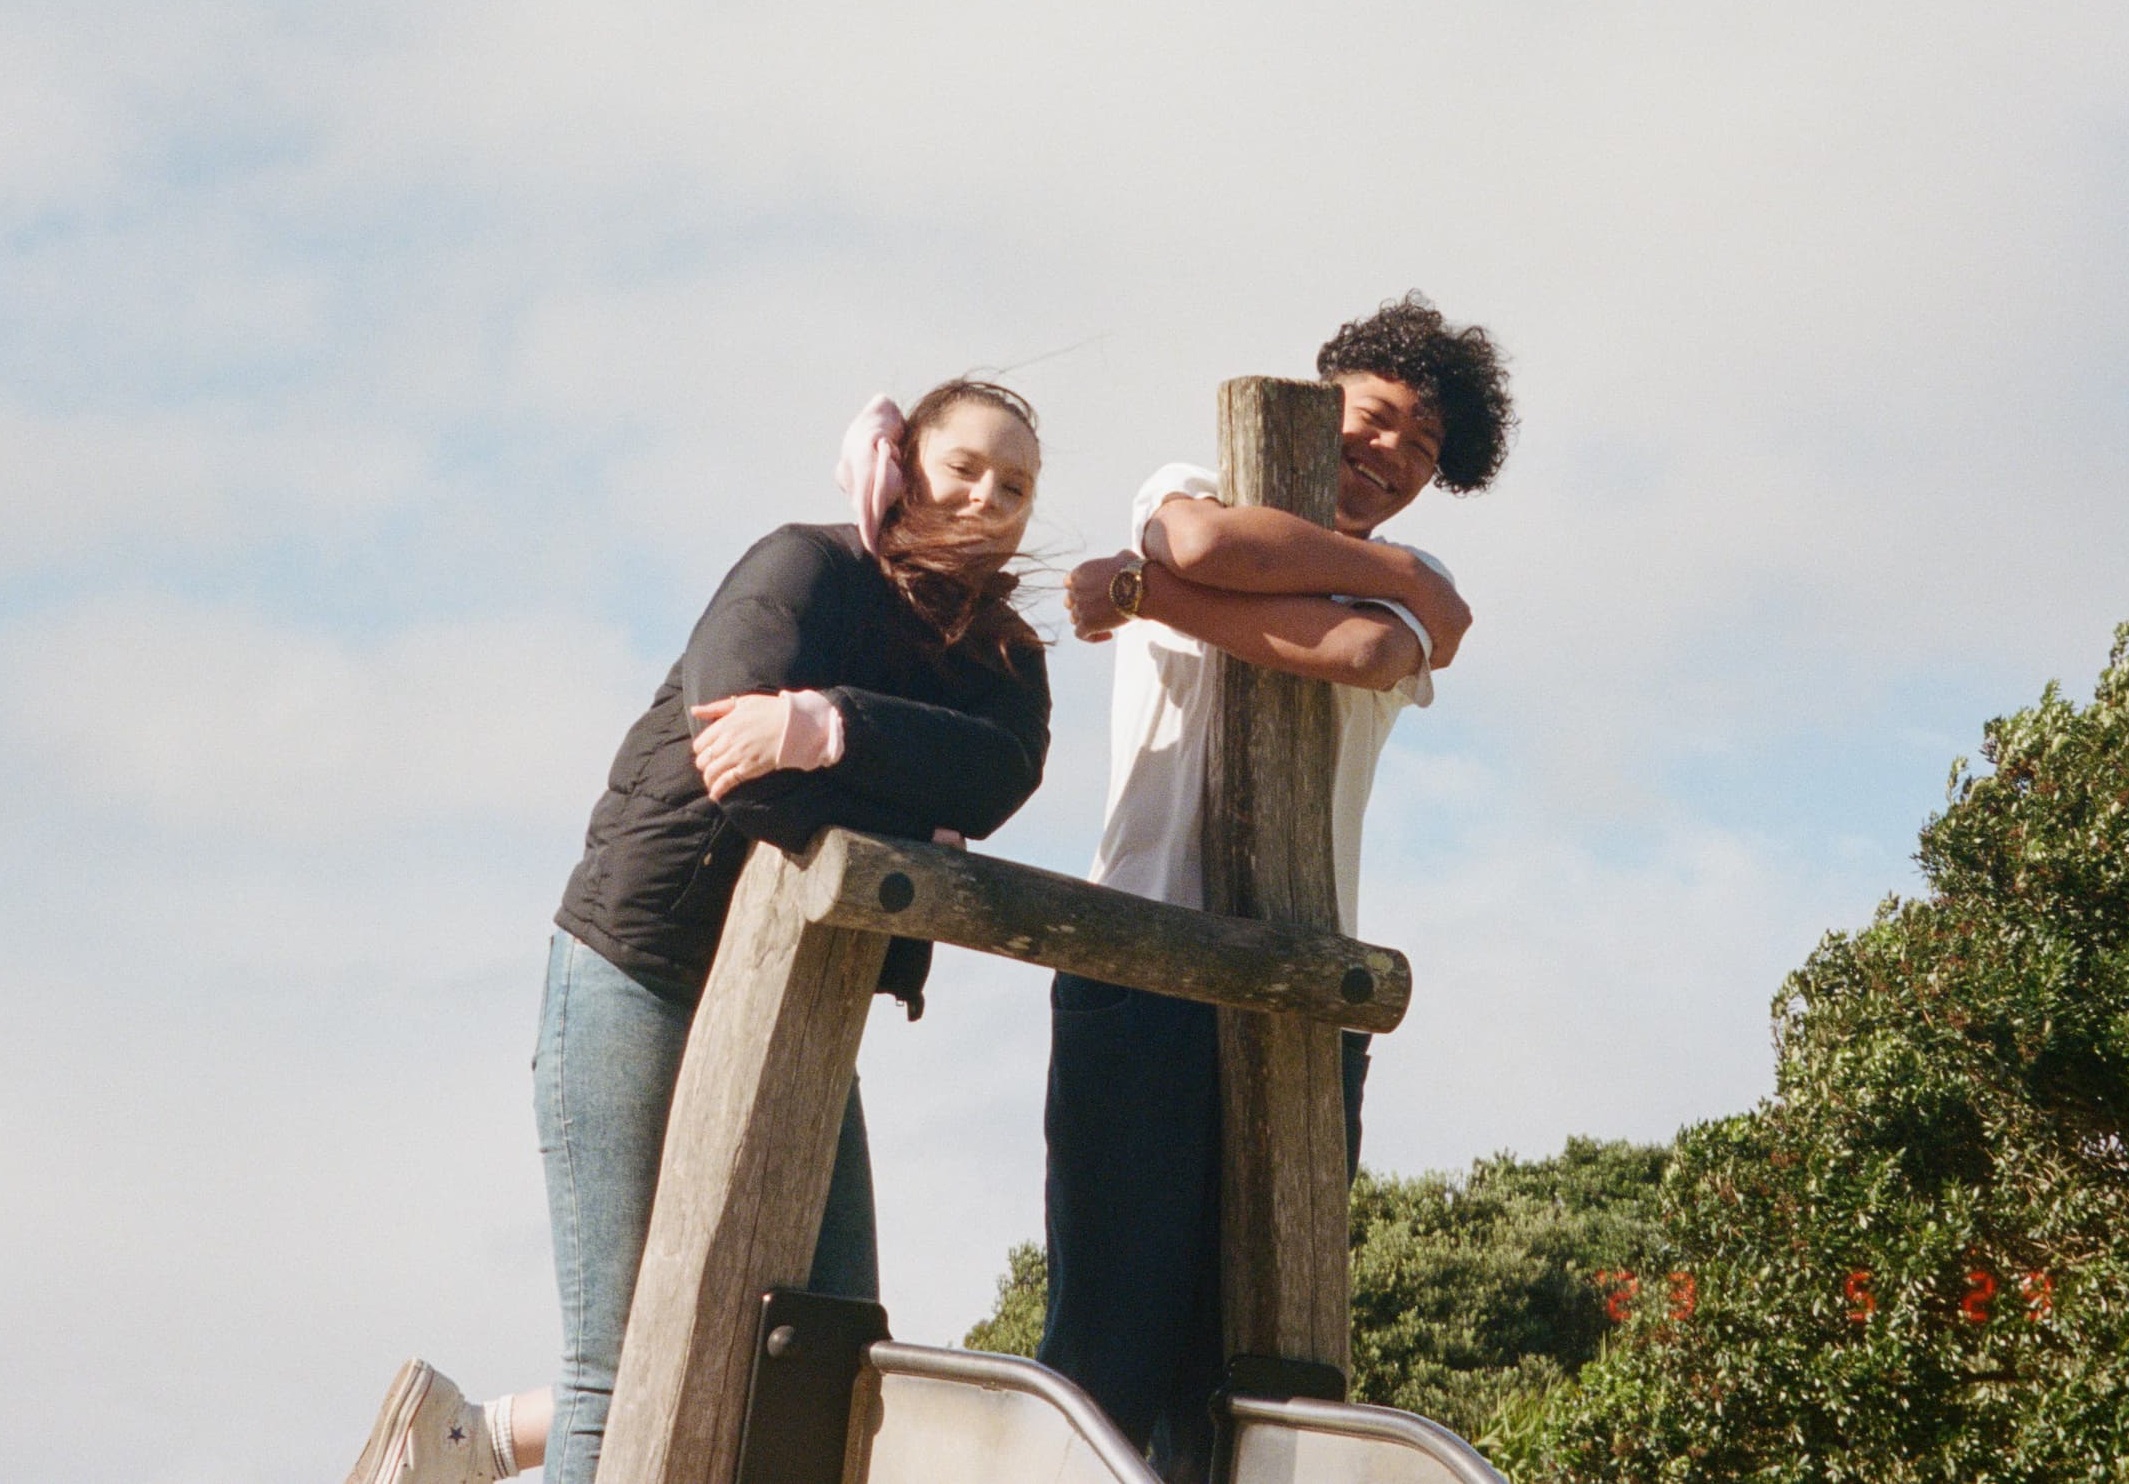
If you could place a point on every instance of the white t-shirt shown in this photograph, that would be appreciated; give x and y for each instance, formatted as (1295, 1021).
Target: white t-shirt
(1160, 718)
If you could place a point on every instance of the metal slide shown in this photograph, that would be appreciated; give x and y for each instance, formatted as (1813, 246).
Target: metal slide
(962, 1417)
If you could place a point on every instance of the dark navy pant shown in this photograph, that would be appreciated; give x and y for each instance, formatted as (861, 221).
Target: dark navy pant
(1132, 1188)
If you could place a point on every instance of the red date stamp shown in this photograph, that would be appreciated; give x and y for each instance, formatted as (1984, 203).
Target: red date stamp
(1620, 1290)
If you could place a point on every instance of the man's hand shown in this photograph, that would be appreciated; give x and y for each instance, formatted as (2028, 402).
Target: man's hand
(740, 742)
(1435, 602)
(1094, 617)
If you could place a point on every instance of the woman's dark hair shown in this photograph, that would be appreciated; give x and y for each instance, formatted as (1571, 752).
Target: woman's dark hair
(953, 577)
(1457, 370)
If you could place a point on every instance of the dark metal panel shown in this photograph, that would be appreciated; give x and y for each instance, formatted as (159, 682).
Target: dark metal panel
(808, 1350)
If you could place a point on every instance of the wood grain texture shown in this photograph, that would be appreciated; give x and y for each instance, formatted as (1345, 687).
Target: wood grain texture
(1268, 855)
(997, 906)
(748, 1153)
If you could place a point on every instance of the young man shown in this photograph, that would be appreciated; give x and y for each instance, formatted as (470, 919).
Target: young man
(1133, 1114)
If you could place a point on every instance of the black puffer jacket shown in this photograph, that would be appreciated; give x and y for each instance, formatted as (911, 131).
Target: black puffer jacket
(928, 742)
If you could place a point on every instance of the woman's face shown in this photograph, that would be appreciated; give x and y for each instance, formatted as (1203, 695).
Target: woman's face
(978, 463)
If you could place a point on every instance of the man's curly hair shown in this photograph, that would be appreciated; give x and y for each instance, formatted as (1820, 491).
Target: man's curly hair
(1457, 371)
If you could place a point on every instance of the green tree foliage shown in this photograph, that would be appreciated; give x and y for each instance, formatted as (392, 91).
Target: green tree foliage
(1909, 1262)
(1469, 1294)
(1015, 1323)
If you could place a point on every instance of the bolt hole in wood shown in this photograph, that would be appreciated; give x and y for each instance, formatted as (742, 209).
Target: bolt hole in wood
(896, 892)
(1357, 987)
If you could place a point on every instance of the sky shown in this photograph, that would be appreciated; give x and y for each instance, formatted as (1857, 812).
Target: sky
(384, 389)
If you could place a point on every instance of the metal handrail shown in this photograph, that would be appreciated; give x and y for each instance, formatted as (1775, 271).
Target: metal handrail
(1011, 1373)
(1380, 1424)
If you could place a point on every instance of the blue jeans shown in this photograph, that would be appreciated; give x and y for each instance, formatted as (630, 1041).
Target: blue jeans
(609, 1054)
(1132, 1209)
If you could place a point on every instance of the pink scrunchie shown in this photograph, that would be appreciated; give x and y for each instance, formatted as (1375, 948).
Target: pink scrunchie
(868, 471)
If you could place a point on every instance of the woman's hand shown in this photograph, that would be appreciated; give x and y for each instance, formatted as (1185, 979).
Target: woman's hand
(1094, 616)
(741, 741)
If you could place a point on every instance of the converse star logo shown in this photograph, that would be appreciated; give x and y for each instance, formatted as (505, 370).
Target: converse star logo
(458, 1434)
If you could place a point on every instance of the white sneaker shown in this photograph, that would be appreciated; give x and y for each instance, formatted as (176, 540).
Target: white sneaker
(427, 1433)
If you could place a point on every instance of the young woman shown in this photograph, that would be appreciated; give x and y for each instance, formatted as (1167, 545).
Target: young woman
(873, 675)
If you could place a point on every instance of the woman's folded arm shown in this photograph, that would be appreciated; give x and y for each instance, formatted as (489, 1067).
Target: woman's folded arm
(971, 769)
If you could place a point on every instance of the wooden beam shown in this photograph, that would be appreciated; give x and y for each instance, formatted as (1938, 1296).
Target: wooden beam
(997, 906)
(1268, 855)
(748, 1154)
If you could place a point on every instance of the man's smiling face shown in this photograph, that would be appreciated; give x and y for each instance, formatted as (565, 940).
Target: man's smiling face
(1392, 441)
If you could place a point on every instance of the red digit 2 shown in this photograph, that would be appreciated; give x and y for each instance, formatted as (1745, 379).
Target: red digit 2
(1980, 1288)
(1619, 1290)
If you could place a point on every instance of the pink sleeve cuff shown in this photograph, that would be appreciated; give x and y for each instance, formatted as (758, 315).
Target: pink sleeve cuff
(813, 731)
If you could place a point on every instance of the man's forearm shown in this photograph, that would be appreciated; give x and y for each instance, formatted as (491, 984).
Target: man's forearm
(1249, 549)
(1254, 550)
(1302, 635)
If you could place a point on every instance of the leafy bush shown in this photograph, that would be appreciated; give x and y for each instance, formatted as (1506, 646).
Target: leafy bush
(1908, 1263)
(1477, 1294)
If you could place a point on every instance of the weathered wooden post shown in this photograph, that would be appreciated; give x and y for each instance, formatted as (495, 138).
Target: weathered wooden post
(1268, 855)
(748, 1152)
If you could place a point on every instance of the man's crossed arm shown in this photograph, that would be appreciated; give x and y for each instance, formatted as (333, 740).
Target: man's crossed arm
(1254, 583)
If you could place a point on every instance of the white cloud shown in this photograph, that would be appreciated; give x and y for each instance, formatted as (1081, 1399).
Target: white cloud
(206, 482)
(251, 1207)
(1804, 280)
(215, 722)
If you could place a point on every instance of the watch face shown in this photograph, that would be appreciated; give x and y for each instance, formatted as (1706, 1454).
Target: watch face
(1126, 588)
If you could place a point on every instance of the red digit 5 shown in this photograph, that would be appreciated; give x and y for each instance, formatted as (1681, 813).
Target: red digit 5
(1857, 1288)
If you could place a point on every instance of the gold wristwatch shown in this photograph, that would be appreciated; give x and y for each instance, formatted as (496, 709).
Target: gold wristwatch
(1127, 587)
